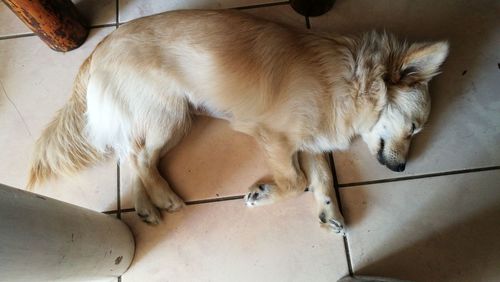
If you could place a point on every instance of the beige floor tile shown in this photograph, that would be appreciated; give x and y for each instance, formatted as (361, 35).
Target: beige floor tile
(132, 9)
(35, 83)
(226, 241)
(9, 23)
(435, 229)
(464, 127)
(212, 161)
(97, 12)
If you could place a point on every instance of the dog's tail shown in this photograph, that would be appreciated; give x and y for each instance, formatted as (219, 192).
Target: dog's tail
(63, 148)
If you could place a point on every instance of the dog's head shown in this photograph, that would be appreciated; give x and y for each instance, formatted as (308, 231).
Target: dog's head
(407, 72)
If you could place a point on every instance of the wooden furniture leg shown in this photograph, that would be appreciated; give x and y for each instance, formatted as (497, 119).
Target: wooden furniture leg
(56, 22)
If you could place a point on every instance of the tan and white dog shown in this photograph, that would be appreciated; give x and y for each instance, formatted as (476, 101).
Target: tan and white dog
(298, 93)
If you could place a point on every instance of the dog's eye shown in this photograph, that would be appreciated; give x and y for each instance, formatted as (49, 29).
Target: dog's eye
(413, 127)
(386, 77)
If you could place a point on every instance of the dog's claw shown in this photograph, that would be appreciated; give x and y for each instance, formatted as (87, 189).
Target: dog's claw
(328, 219)
(336, 227)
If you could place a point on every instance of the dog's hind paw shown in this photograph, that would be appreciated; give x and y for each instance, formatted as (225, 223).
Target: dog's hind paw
(150, 215)
(168, 201)
(260, 194)
(147, 211)
(176, 204)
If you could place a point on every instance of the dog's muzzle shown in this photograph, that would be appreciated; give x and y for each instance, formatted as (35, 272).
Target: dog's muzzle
(397, 167)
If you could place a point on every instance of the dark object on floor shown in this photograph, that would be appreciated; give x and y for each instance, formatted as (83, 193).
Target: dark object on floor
(56, 22)
(369, 279)
(312, 8)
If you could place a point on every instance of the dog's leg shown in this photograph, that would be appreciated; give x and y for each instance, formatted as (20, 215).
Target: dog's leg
(145, 162)
(319, 175)
(146, 150)
(289, 179)
(143, 206)
(160, 127)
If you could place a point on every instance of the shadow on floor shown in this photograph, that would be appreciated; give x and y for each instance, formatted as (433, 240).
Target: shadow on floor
(465, 251)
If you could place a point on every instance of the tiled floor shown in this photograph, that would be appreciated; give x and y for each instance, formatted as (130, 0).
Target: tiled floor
(437, 221)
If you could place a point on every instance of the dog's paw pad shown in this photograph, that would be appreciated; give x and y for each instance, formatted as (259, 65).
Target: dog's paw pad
(258, 195)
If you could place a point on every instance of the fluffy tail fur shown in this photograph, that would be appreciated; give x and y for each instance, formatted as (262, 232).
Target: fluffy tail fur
(63, 149)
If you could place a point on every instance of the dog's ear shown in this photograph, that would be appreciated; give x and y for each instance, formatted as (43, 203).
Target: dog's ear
(422, 61)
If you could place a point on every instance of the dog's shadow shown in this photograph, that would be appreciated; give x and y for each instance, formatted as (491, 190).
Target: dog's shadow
(465, 250)
(454, 91)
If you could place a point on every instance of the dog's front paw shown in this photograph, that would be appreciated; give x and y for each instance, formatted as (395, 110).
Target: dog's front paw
(260, 194)
(331, 219)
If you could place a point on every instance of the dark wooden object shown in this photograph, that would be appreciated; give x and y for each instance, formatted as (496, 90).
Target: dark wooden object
(312, 8)
(56, 22)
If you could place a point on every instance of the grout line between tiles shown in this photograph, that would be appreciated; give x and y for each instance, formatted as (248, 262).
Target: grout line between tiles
(261, 5)
(198, 202)
(128, 210)
(336, 186)
(110, 212)
(348, 256)
(14, 36)
(118, 192)
(428, 175)
(5, 37)
(117, 13)
(102, 25)
(221, 199)
(339, 203)
(335, 181)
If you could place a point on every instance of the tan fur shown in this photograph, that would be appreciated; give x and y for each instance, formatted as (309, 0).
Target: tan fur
(63, 149)
(298, 93)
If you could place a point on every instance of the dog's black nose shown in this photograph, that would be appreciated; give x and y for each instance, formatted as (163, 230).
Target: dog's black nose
(401, 167)
(396, 167)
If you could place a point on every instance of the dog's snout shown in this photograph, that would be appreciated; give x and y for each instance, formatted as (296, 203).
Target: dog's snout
(389, 158)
